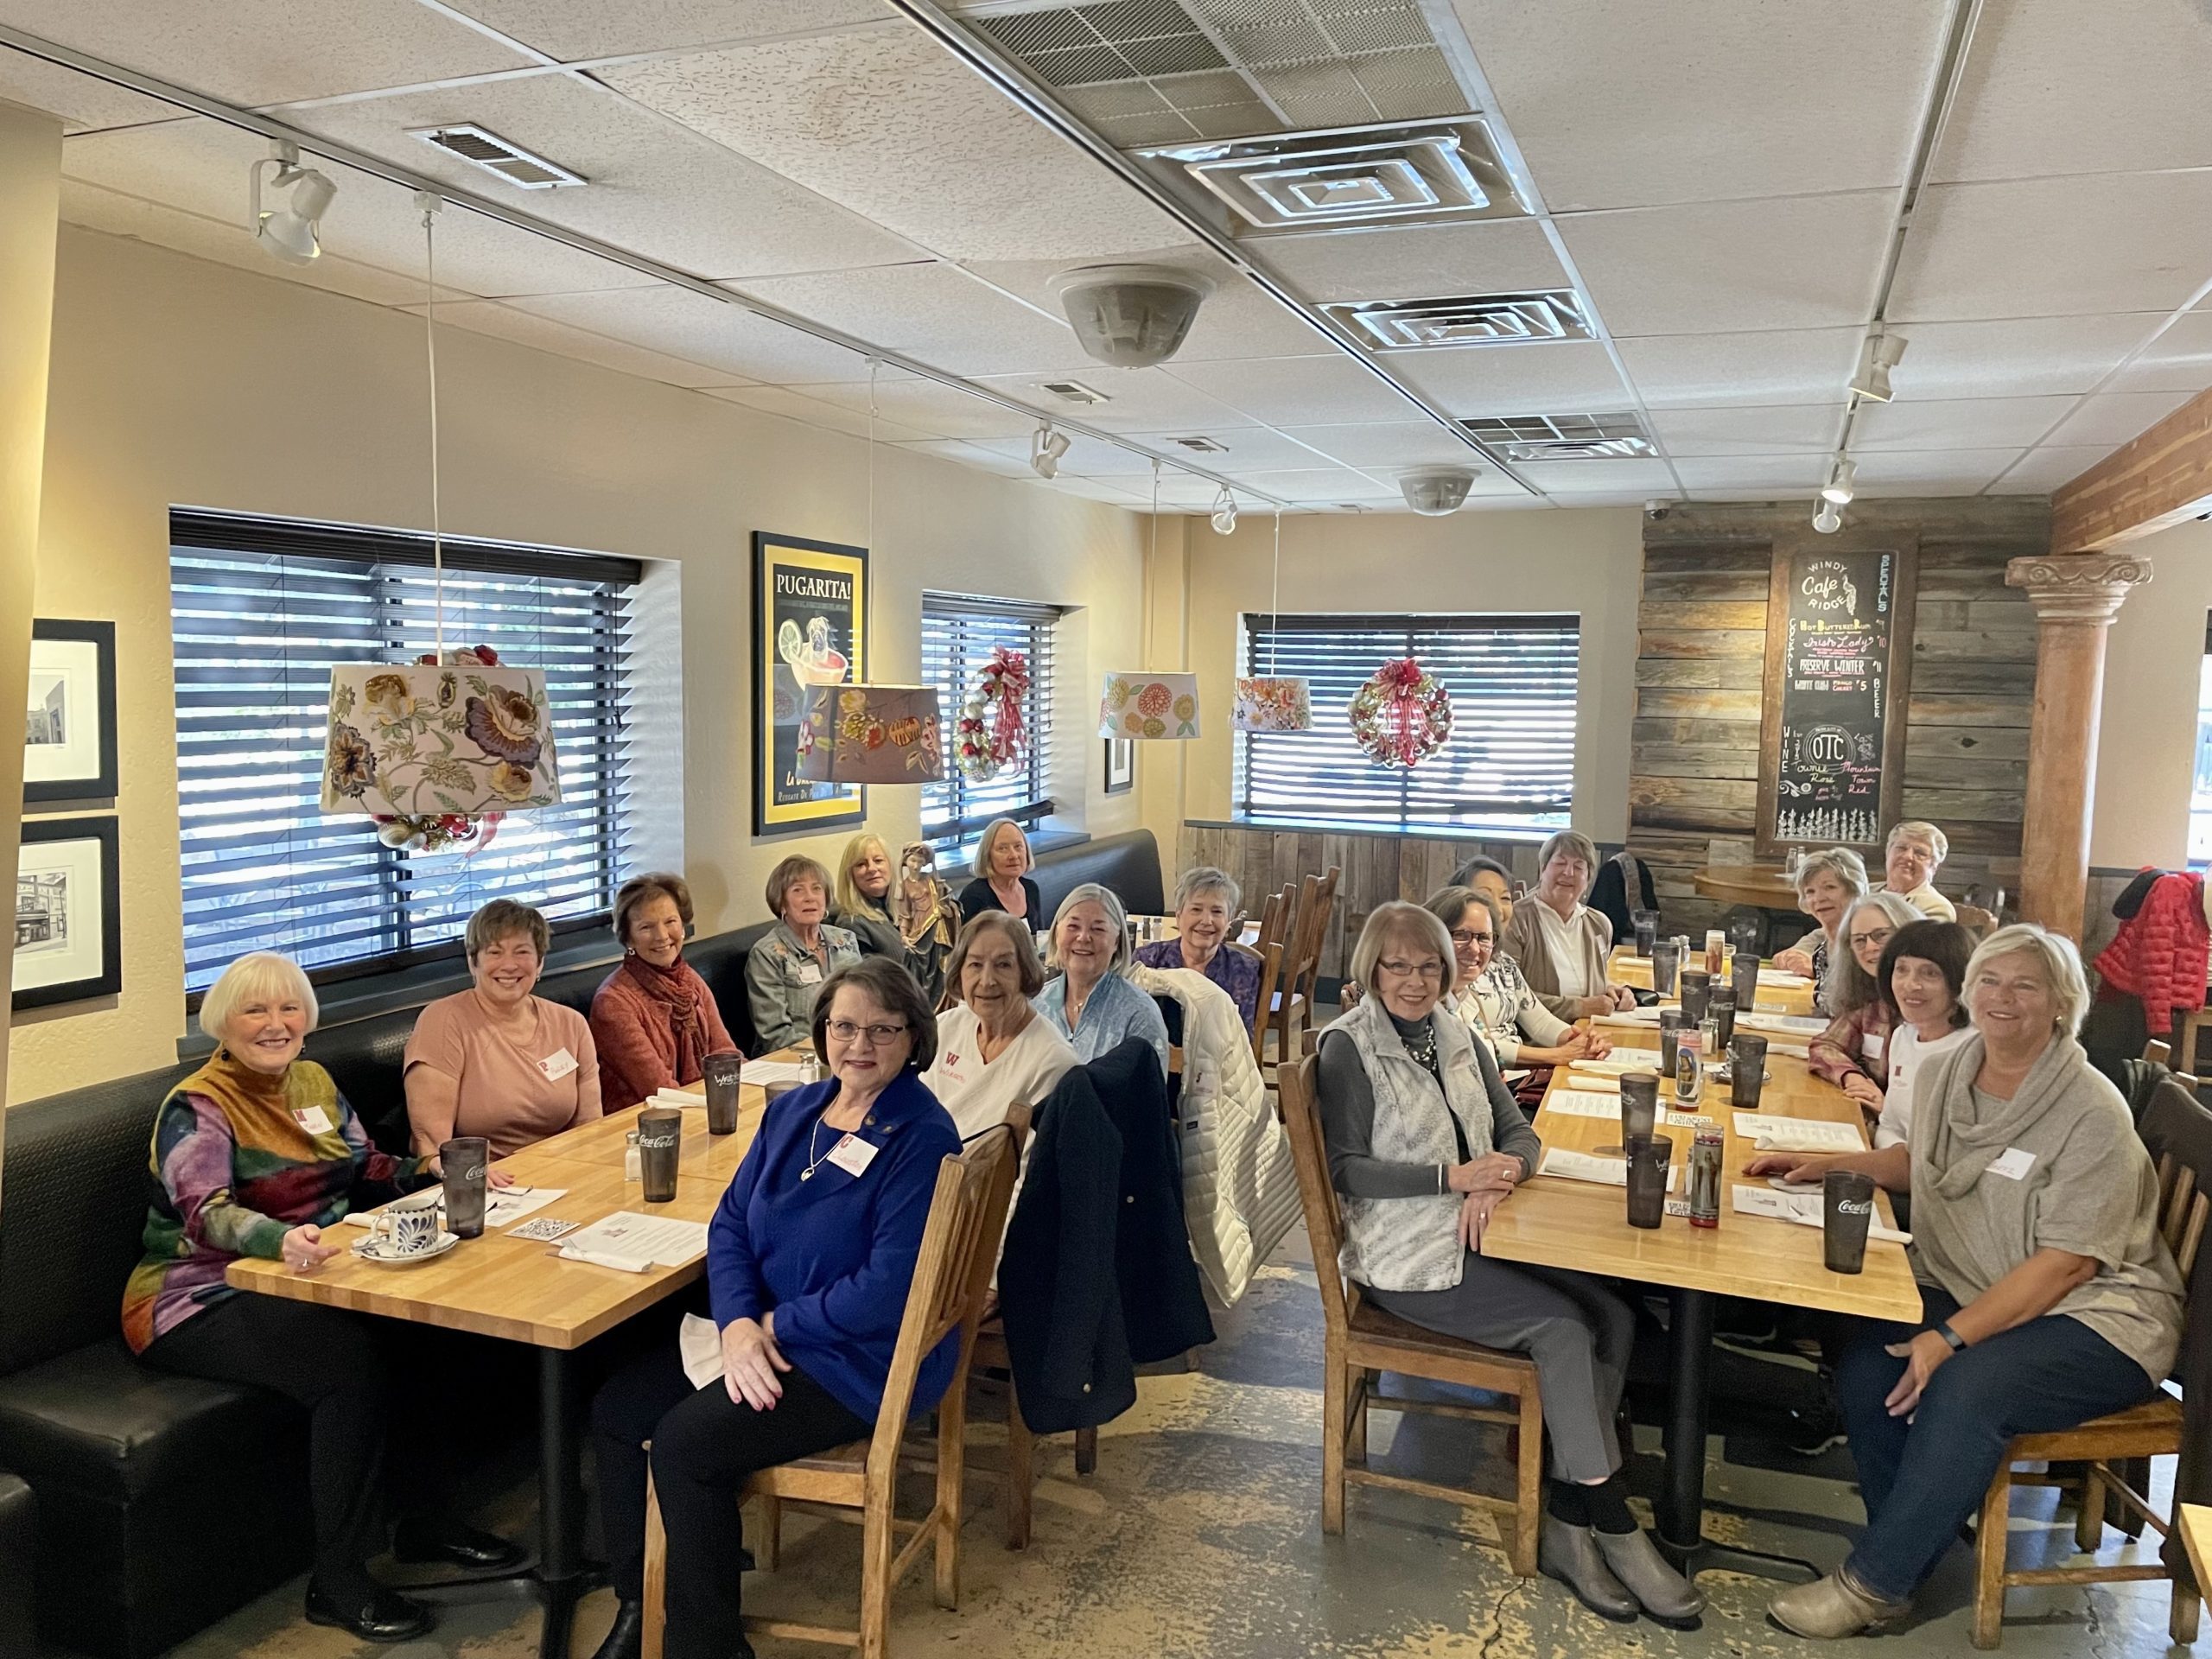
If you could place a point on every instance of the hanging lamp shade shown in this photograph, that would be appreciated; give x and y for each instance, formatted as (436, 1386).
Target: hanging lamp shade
(1273, 704)
(422, 742)
(1149, 706)
(870, 735)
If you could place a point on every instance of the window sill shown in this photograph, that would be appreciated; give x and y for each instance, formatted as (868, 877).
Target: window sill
(1417, 832)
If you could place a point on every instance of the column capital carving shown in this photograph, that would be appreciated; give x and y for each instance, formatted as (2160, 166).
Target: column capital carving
(2077, 586)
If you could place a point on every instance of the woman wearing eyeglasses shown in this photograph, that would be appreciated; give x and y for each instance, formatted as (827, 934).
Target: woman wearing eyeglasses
(810, 1258)
(1852, 1053)
(1423, 1160)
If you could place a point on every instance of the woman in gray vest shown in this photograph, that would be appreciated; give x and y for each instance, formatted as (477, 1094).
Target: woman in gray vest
(1423, 1160)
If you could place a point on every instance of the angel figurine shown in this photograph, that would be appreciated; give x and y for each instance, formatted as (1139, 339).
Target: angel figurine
(928, 916)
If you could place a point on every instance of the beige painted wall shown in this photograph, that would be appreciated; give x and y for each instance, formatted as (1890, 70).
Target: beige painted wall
(179, 382)
(2146, 749)
(1587, 561)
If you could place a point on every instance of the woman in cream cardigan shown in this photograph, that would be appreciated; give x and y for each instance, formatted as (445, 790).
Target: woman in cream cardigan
(1560, 942)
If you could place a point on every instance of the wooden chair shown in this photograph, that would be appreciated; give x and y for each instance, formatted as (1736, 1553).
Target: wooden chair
(1018, 1484)
(2188, 1024)
(1361, 1341)
(2115, 1450)
(2157, 1053)
(1273, 947)
(1291, 1010)
(858, 1482)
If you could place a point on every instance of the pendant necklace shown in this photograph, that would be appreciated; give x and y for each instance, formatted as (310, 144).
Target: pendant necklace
(813, 1162)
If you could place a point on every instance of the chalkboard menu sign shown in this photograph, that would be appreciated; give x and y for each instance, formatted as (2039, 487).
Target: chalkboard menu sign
(1839, 654)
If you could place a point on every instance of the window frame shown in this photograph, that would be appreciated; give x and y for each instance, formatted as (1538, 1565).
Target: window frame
(1042, 621)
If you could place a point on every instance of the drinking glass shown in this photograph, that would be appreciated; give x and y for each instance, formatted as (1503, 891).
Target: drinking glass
(1746, 933)
(1746, 1070)
(463, 1161)
(1744, 979)
(1646, 922)
(1665, 959)
(1670, 1032)
(660, 1140)
(1697, 990)
(1639, 1106)
(1720, 1009)
(1646, 1181)
(1846, 1212)
(723, 1074)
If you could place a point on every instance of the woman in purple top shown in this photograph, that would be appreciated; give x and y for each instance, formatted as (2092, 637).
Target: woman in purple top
(1205, 908)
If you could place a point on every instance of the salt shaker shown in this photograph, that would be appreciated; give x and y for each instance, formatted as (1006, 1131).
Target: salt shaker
(633, 1163)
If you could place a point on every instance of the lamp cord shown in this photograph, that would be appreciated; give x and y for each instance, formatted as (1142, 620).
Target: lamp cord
(430, 205)
(1275, 597)
(873, 363)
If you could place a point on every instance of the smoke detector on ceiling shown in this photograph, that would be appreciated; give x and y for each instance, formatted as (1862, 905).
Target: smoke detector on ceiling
(1433, 491)
(1131, 316)
(481, 147)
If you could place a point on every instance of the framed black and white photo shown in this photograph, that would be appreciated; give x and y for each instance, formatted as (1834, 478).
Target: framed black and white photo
(69, 729)
(1121, 765)
(68, 917)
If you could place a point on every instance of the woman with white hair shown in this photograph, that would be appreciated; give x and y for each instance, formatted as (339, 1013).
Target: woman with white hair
(2047, 1296)
(1423, 1156)
(1852, 1053)
(1090, 998)
(1916, 851)
(256, 1154)
(1002, 873)
(1560, 942)
(1206, 908)
(1828, 883)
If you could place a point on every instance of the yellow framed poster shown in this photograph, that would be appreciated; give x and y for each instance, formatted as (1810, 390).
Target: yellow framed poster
(810, 627)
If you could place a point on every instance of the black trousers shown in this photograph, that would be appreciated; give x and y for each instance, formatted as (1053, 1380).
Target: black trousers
(328, 1360)
(704, 1445)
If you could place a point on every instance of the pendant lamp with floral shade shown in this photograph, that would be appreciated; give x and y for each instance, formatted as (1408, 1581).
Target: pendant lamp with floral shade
(1273, 703)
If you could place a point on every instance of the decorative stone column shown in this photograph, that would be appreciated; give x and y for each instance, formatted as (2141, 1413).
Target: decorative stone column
(2076, 596)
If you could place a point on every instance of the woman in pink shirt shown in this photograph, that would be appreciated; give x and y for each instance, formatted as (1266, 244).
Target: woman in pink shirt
(496, 1060)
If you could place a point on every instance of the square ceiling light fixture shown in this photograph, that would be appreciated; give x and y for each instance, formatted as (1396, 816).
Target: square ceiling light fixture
(1423, 173)
(1562, 437)
(1467, 319)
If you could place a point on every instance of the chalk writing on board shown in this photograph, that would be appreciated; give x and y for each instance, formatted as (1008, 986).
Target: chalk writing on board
(1835, 697)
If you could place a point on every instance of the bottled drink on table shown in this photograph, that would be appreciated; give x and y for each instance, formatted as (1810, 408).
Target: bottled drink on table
(1706, 1153)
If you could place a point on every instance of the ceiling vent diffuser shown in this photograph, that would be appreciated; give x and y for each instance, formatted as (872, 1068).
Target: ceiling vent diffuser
(1467, 319)
(1562, 437)
(1072, 392)
(481, 147)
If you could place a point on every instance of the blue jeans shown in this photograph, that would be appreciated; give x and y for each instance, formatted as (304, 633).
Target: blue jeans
(1920, 1480)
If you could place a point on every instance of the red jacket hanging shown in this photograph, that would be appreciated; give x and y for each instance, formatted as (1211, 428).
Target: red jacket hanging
(2160, 953)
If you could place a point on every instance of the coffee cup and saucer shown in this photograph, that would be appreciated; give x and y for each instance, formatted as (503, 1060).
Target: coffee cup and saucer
(406, 1233)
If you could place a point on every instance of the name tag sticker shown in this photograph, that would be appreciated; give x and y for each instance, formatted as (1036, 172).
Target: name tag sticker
(810, 973)
(1873, 1044)
(557, 1065)
(314, 1120)
(853, 1155)
(2013, 1164)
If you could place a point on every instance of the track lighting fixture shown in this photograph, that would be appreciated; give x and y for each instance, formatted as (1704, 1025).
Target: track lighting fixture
(1841, 474)
(1876, 359)
(1828, 519)
(1045, 449)
(1225, 512)
(290, 232)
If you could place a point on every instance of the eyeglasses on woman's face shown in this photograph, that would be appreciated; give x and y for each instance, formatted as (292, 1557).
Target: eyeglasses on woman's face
(847, 1031)
(1872, 936)
(1428, 968)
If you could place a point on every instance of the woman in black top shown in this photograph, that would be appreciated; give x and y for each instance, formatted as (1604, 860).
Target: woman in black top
(1002, 880)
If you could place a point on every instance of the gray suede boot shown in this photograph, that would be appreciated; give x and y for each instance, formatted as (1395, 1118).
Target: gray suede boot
(1570, 1554)
(1664, 1593)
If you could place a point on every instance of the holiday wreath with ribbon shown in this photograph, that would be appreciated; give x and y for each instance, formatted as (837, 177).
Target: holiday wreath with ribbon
(989, 735)
(1402, 716)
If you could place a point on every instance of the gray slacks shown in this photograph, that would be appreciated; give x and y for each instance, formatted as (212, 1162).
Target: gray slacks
(1578, 1332)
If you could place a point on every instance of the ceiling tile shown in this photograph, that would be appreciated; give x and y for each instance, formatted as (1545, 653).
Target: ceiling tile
(2180, 360)
(970, 455)
(1146, 400)
(1792, 366)
(938, 313)
(2041, 471)
(200, 167)
(1388, 444)
(2082, 87)
(1502, 256)
(2114, 418)
(949, 162)
(1583, 477)
(2057, 247)
(1575, 499)
(1248, 448)
(1085, 457)
(1323, 484)
(1804, 262)
(812, 411)
(1751, 477)
(1555, 377)
(545, 334)
(654, 188)
(2021, 357)
(1931, 471)
(728, 340)
(575, 29)
(260, 52)
(84, 103)
(1791, 429)
(928, 406)
(1957, 423)
(1292, 391)
(1730, 98)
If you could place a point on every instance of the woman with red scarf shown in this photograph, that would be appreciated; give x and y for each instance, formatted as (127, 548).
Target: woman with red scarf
(653, 1020)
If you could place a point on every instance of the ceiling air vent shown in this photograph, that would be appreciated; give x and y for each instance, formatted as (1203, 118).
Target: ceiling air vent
(1469, 320)
(1428, 172)
(1562, 437)
(481, 148)
(1072, 392)
(1202, 446)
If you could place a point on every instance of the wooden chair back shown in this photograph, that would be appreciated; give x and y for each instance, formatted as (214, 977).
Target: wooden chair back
(1317, 1193)
(2177, 1128)
(1318, 902)
(1272, 948)
(2157, 1053)
(1977, 921)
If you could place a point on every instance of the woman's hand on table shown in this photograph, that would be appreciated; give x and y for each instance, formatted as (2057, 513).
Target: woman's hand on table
(495, 1179)
(1475, 1211)
(1923, 1357)
(1583, 1043)
(1494, 1172)
(1864, 1090)
(750, 1362)
(1792, 961)
(1801, 1168)
(303, 1249)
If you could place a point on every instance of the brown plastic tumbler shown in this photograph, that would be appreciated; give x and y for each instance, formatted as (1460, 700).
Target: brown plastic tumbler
(1846, 1212)
(1743, 975)
(1639, 1106)
(1746, 1070)
(1670, 1032)
(1646, 1181)
(463, 1161)
(1665, 959)
(723, 1074)
(660, 1138)
(1697, 991)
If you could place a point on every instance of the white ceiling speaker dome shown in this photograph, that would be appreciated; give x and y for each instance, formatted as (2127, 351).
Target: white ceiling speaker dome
(1433, 491)
(1131, 316)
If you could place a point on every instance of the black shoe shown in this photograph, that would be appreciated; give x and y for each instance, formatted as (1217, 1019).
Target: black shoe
(370, 1613)
(1815, 1429)
(454, 1545)
(627, 1639)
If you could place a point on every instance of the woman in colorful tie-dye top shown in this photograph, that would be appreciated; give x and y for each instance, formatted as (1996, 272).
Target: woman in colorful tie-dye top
(256, 1154)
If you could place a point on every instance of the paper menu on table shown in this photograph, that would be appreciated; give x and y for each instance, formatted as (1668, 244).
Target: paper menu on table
(1790, 1024)
(764, 1072)
(1605, 1172)
(630, 1240)
(1803, 1208)
(1614, 1065)
(511, 1204)
(1772, 1133)
(1583, 1103)
(1776, 977)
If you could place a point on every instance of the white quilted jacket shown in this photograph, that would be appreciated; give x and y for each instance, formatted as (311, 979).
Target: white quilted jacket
(1240, 1187)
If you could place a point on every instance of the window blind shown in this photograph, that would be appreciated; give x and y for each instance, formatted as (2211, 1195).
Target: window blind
(1510, 764)
(959, 632)
(261, 610)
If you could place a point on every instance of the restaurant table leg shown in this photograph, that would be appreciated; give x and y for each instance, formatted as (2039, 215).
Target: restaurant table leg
(561, 1575)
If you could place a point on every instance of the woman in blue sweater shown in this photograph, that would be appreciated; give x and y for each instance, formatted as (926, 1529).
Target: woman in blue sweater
(810, 1258)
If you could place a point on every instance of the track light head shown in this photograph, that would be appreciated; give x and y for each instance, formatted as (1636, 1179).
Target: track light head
(289, 233)
(1045, 449)
(1876, 359)
(1828, 519)
(1841, 487)
(1225, 512)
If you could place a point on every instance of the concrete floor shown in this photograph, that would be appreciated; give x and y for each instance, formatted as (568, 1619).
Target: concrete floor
(1200, 1534)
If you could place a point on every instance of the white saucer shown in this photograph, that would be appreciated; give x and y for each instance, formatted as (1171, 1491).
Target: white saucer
(373, 1249)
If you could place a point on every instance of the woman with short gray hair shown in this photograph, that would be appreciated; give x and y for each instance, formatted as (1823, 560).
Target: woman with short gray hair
(1828, 884)
(1560, 942)
(1205, 912)
(2047, 1296)
(1090, 998)
(1916, 851)
(1423, 1156)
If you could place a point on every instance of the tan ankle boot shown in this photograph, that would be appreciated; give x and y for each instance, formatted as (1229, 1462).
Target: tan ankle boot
(1836, 1605)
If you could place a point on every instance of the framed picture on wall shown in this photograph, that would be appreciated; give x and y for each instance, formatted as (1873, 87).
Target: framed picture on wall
(1121, 765)
(810, 627)
(68, 917)
(69, 729)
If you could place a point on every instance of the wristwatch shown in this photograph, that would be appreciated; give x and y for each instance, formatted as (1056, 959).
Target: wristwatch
(1957, 1343)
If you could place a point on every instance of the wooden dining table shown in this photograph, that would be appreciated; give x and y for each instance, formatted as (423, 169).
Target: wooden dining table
(1624, 967)
(1560, 1223)
(518, 1290)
